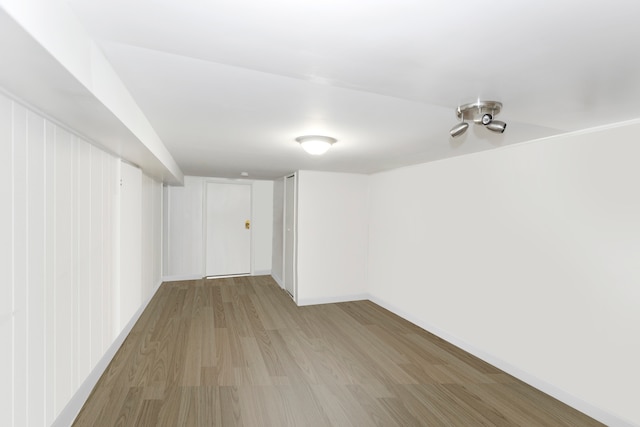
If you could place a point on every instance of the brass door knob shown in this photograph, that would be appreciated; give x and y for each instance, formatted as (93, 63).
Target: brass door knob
(247, 224)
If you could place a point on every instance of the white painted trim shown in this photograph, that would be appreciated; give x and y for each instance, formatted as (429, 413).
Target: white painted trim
(575, 402)
(166, 230)
(203, 197)
(295, 176)
(261, 273)
(72, 409)
(278, 280)
(226, 276)
(332, 300)
(284, 232)
(181, 277)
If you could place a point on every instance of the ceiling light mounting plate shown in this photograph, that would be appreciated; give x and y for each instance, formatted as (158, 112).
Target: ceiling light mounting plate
(476, 110)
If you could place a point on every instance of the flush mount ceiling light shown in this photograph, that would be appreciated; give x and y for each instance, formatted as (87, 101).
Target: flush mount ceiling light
(481, 113)
(316, 144)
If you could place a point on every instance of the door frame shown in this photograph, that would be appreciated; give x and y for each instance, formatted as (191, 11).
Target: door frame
(204, 222)
(295, 235)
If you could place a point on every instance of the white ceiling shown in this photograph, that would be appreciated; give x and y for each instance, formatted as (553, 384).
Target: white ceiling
(228, 85)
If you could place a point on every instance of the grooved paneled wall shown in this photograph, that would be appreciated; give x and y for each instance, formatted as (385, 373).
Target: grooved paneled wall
(60, 240)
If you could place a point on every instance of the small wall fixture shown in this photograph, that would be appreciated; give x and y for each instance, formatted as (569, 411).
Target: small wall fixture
(482, 113)
(316, 144)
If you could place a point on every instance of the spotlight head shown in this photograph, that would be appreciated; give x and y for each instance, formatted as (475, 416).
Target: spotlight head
(459, 129)
(481, 113)
(497, 126)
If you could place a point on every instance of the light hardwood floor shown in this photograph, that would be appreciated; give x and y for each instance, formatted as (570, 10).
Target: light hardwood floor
(232, 352)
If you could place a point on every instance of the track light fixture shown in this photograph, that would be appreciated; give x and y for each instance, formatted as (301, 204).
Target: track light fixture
(496, 126)
(459, 129)
(481, 113)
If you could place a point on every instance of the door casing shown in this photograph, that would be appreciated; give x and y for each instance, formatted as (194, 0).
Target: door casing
(289, 237)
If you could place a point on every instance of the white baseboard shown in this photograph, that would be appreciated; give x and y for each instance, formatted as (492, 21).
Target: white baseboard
(575, 402)
(181, 277)
(261, 273)
(72, 409)
(278, 280)
(331, 300)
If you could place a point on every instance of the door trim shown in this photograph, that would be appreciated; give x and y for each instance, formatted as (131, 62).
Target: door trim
(294, 296)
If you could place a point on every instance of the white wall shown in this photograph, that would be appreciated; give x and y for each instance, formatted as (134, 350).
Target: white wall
(184, 235)
(59, 256)
(184, 240)
(130, 266)
(152, 226)
(527, 255)
(278, 230)
(332, 237)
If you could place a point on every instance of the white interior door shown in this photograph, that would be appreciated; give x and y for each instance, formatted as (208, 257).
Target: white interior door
(289, 235)
(228, 228)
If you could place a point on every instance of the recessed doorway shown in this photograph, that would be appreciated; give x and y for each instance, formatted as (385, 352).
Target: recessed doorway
(228, 229)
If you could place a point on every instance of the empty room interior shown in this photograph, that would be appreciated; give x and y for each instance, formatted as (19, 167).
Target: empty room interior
(304, 213)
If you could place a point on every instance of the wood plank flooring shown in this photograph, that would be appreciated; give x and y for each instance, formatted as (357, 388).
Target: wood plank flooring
(239, 352)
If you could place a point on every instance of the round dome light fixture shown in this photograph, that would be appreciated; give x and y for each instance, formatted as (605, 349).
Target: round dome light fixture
(316, 144)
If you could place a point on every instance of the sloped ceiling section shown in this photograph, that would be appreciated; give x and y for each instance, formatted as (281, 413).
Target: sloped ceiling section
(50, 63)
(228, 84)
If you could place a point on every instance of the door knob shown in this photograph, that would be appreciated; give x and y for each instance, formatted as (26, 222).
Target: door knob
(247, 224)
